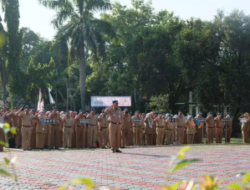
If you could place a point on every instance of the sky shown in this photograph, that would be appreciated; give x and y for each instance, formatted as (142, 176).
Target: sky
(38, 18)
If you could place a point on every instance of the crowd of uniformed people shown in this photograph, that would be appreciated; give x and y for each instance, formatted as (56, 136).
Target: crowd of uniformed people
(114, 128)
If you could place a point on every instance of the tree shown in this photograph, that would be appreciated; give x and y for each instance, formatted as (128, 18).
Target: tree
(11, 9)
(82, 30)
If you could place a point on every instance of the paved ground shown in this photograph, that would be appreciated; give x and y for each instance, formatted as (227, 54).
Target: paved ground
(136, 168)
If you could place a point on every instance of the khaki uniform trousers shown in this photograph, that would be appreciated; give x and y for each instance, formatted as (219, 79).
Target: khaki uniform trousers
(245, 136)
(160, 136)
(179, 134)
(26, 137)
(92, 135)
(137, 135)
(125, 137)
(115, 136)
(33, 138)
(149, 139)
(143, 138)
(104, 137)
(210, 134)
(198, 136)
(47, 136)
(168, 137)
(190, 139)
(80, 137)
(67, 137)
(18, 136)
(219, 133)
(40, 140)
(55, 136)
(184, 137)
(228, 133)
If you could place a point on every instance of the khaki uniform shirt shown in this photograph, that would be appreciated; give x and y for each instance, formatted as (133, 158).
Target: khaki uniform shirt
(136, 124)
(191, 130)
(218, 122)
(78, 121)
(180, 121)
(127, 120)
(41, 127)
(26, 119)
(159, 122)
(92, 120)
(210, 122)
(68, 121)
(57, 119)
(149, 123)
(115, 115)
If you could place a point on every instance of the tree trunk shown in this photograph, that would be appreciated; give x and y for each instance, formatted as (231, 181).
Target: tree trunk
(83, 78)
(4, 83)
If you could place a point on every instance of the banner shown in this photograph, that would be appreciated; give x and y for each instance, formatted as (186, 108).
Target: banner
(51, 100)
(106, 101)
(40, 103)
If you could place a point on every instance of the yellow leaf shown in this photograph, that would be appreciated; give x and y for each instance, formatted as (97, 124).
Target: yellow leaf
(181, 154)
(13, 130)
(246, 178)
(63, 187)
(6, 125)
(7, 161)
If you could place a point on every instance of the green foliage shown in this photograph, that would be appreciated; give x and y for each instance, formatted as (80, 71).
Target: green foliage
(160, 103)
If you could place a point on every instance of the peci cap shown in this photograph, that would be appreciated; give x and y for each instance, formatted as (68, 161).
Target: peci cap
(125, 109)
(210, 113)
(92, 109)
(115, 101)
(54, 108)
(27, 107)
(219, 114)
(159, 112)
(137, 111)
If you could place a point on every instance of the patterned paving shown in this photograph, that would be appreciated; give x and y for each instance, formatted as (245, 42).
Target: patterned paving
(136, 168)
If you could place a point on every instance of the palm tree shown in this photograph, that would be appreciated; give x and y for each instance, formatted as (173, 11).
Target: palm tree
(83, 32)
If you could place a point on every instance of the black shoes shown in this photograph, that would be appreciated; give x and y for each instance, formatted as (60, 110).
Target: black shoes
(116, 151)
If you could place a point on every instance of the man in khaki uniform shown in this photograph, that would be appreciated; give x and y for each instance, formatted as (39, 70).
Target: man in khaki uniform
(199, 129)
(136, 129)
(55, 134)
(190, 129)
(159, 122)
(80, 130)
(149, 124)
(115, 114)
(68, 123)
(143, 130)
(41, 129)
(219, 128)
(228, 128)
(104, 134)
(92, 128)
(184, 137)
(126, 126)
(180, 125)
(245, 127)
(48, 132)
(210, 127)
(26, 118)
(169, 129)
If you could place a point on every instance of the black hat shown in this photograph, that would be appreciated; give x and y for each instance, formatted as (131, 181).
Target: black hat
(179, 111)
(210, 113)
(219, 114)
(54, 108)
(33, 110)
(159, 112)
(80, 111)
(115, 101)
(125, 109)
(27, 106)
(92, 109)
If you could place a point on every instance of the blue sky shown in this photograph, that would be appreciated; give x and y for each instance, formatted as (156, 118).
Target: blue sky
(38, 17)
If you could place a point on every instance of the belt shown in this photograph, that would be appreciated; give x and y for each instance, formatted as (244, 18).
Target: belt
(54, 125)
(136, 126)
(169, 129)
(67, 126)
(79, 126)
(92, 125)
(115, 123)
(25, 126)
(160, 127)
(179, 126)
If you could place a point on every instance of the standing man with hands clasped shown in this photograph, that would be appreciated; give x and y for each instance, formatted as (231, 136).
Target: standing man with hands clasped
(115, 114)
